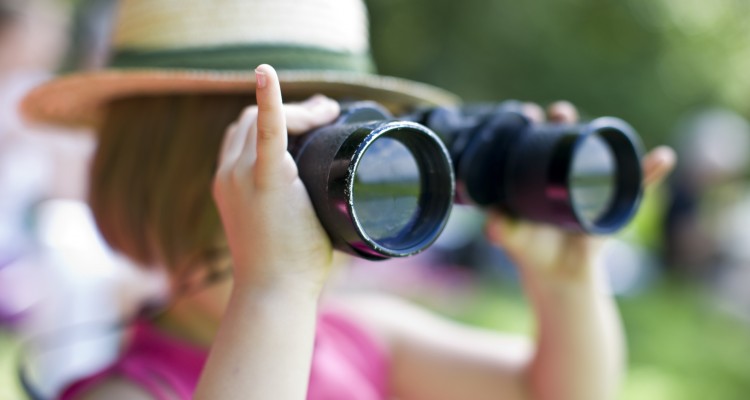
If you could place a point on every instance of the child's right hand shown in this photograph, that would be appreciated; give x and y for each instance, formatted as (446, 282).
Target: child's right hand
(273, 233)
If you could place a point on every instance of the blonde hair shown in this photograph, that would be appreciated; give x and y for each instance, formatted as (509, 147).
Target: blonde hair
(151, 177)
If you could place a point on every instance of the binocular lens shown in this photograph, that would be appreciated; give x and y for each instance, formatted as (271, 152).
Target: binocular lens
(583, 177)
(592, 177)
(381, 188)
(387, 189)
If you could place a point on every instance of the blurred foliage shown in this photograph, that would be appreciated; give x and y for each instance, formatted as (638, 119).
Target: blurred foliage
(681, 347)
(647, 61)
(10, 386)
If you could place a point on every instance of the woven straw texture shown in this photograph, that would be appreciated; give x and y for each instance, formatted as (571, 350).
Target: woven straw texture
(156, 30)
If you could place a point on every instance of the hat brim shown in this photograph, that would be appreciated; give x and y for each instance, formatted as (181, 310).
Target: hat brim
(78, 100)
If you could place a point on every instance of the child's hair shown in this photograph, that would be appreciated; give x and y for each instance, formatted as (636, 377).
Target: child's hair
(152, 173)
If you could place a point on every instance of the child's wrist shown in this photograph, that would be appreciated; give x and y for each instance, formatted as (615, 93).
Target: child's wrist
(587, 280)
(288, 303)
(279, 287)
(582, 272)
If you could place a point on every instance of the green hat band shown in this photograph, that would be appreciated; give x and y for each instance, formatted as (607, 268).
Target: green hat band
(244, 57)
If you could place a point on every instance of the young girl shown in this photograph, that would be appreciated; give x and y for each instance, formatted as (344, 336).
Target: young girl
(189, 178)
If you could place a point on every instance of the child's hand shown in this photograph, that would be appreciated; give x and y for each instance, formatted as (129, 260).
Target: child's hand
(546, 249)
(273, 233)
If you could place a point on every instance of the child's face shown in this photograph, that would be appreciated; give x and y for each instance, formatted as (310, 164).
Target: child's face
(211, 300)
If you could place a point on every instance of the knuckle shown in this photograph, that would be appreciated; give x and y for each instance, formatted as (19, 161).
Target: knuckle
(237, 176)
(266, 132)
(242, 176)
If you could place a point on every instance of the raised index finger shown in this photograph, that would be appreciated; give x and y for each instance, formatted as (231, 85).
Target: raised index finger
(272, 135)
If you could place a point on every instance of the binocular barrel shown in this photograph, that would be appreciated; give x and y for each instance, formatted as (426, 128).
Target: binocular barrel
(384, 188)
(585, 177)
(381, 188)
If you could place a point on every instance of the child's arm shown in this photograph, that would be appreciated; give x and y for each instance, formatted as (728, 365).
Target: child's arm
(281, 253)
(580, 348)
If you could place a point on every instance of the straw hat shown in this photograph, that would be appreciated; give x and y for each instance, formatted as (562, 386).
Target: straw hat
(212, 46)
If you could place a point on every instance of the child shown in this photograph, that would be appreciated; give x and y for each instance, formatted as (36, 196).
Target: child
(169, 194)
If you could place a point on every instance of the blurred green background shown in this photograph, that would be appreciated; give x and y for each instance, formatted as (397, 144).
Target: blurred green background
(649, 62)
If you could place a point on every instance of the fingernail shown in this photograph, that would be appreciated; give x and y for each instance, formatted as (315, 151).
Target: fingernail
(261, 79)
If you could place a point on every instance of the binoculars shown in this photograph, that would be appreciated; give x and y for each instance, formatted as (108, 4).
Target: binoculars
(383, 187)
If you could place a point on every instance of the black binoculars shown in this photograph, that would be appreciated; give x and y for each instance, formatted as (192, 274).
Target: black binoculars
(384, 187)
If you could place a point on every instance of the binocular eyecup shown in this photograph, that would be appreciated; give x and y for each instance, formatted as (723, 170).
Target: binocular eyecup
(381, 188)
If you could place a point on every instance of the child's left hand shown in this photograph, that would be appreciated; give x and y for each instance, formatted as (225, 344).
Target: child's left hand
(547, 249)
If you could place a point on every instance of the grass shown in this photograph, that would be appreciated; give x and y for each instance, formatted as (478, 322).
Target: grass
(681, 347)
(9, 386)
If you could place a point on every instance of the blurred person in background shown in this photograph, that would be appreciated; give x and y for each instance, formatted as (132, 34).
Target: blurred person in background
(707, 229)
(55, 271)
(32, 40)
(715, 147)
(258, 334)
(35, 164)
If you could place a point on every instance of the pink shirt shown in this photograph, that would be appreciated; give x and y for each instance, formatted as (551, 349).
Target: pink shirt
(347, 364)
